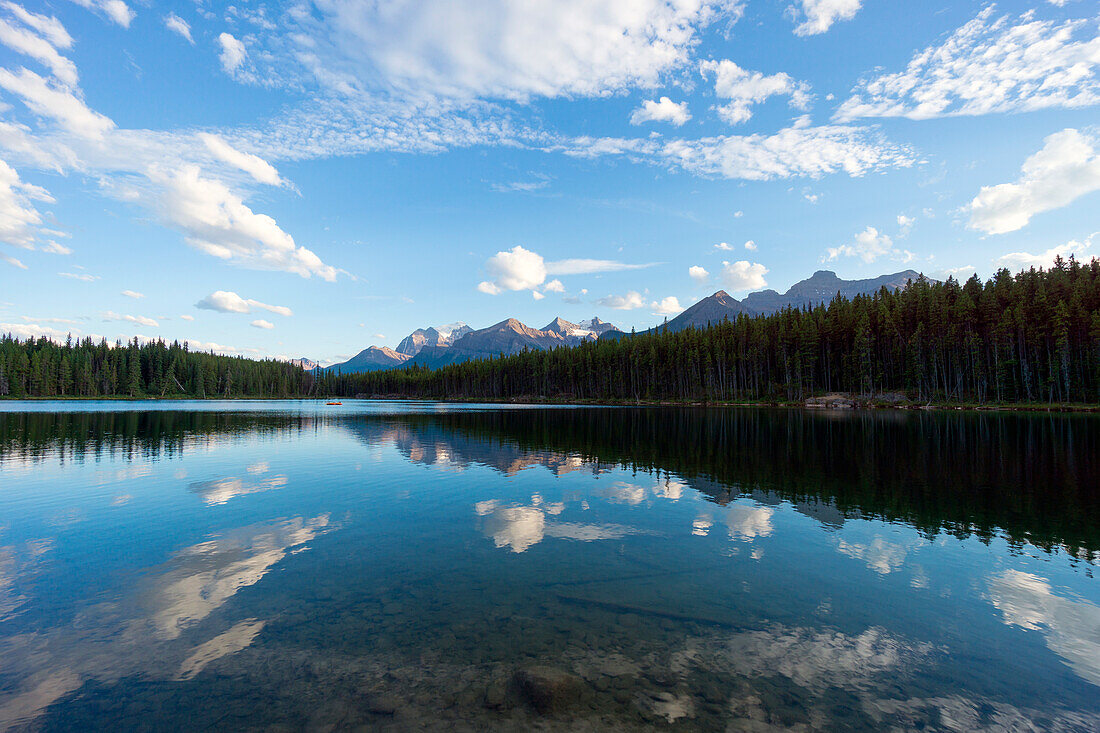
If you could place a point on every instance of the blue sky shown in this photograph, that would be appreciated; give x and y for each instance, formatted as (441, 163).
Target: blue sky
(309, 178)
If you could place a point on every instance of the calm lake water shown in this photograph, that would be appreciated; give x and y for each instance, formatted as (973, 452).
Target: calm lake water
(389, 565)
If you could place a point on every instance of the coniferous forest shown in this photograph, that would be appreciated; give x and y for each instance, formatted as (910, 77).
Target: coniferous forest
(43, 368)
(1033, 337)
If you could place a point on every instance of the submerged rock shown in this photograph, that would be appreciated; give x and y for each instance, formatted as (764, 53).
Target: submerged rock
(547, 689)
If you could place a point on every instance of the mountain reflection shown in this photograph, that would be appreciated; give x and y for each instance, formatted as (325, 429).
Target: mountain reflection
(1028, 477)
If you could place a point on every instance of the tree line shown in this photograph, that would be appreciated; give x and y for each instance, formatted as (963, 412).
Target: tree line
(41, 367)
(1033, 337)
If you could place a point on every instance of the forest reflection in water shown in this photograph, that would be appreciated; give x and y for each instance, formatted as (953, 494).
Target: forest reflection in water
(395, 565)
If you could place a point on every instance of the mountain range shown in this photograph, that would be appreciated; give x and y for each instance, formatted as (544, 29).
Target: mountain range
(455, 343)
(819, 288)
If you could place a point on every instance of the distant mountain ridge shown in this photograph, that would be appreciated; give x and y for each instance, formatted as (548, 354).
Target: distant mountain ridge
(822, 287)
(432, 336)
(454, 343)
(819, 288)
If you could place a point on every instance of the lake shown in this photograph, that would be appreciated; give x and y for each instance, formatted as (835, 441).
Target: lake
(401, 565)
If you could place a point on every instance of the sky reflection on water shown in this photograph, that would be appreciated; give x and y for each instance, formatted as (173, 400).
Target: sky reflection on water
(292, 564)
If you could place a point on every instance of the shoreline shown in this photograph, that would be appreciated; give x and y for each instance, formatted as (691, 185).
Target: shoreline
(816, 404)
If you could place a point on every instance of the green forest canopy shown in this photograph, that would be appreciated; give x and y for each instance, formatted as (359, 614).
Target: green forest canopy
(1031, 337)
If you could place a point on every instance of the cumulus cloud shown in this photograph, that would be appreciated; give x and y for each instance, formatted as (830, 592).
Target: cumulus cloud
(225, 301)
(1066, 168)
(497, 49)
(133, 294)
(253, 165)
(698, 274)
(261, 323)
(630, 301)
(179, 26)
(522, 269)
(989, 65)
(818, 16)
(554, 286)
(868, 245)
(233, 53)
(745, 88)
(750, 245)
(905, 223)
(140, 320)
(664, 110)
(19, 220)
(187, 317)
(54, 248)
(55, 102)
(116, 10)
(666, 306)
(216, 221)
(723, 246)
(1025, 260)
(744, 275)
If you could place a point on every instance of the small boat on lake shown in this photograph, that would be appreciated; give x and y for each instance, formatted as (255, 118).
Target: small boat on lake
(334, 403)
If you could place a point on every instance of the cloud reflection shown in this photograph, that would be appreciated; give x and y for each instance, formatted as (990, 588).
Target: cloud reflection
(1070, 626)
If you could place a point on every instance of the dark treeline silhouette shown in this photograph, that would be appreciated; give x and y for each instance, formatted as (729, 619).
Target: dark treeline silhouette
(43, 368)
(1033, 337)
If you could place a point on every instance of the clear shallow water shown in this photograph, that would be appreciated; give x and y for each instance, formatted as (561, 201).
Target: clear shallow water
(290, 565)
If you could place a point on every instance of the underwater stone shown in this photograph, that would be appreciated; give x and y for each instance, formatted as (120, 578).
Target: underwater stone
(547, 689)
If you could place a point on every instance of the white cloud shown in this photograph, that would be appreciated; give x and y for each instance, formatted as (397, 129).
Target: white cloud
(868, 245)
(81, 276)
(253, 165)
(745, 88)
(233, 53)
(744, 275)
(819, 15)
(140, 320)
(514, 269)
(133, 294)
(522, 269)
(1025, 260)
(905, 223)
(794, 151)
(217, 222)
(225, 301)
(40, 49)
(47, 26)
(261, 323)
(750, 245)
(630, 301)
(57, 103)
(989, 65)
(14, 262)
(666, 306)
(1066, 168)
(180, 26)
(537, 295)
(19, 220)
(554, 286)
(664, 110)
(54, 248)
(724, 246)
(116, 10)
(497, 49)
(187, 317)
(698, 274)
